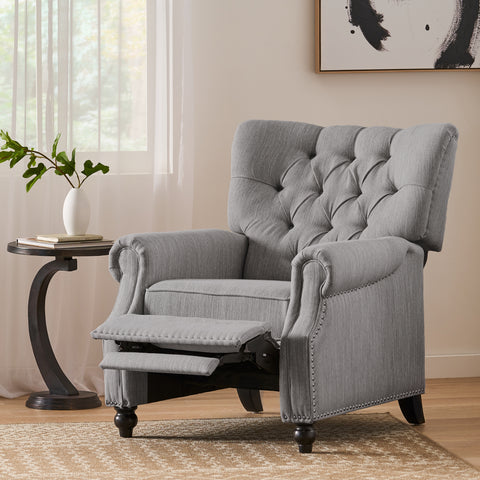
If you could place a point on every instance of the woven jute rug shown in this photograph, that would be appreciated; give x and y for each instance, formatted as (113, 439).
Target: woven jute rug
(355, 446)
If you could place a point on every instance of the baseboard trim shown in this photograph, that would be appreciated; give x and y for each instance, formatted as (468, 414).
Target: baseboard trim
(452, 366)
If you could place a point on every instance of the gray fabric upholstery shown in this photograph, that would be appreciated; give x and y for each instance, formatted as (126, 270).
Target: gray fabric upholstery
(331, 224)
(230, 299)
(350, 344)
(123, 388)
(160, 363)
(294, 185)
(140, 260)
(181, 333)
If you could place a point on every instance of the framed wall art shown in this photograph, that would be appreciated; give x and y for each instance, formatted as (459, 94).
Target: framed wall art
(370, 35)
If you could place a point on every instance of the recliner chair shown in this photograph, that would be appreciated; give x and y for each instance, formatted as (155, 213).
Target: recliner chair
(317, 292)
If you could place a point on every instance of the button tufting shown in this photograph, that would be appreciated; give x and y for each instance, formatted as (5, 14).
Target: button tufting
(290, 225)
(279, 188)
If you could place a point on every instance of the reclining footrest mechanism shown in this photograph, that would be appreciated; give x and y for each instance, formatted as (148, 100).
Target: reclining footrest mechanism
(186, 345)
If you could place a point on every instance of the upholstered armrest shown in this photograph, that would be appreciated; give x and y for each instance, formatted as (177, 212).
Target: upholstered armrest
(351, 264)
(330, 268)
(354, 306)
(140, 260)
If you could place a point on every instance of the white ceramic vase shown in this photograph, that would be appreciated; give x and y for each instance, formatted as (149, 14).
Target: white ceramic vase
(76, 212)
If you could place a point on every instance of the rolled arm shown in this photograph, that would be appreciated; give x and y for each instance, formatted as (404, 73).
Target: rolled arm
(354, 328)
(140, 260)
(326, 269)
(351, 264)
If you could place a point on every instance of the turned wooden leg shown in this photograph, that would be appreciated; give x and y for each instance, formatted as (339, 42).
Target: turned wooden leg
(304, 436)
(125, 420)
(251, 399)
(412, 409)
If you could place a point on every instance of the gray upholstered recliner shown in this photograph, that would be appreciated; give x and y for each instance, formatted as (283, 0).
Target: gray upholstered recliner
(317, 291)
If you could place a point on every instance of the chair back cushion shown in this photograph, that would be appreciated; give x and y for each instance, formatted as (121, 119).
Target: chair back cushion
(295, 184)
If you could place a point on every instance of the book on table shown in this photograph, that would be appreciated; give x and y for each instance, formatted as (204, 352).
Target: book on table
(59, 241)
(65, 238)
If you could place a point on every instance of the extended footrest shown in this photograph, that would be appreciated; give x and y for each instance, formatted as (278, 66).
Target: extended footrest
(162, 344)
(181, 333)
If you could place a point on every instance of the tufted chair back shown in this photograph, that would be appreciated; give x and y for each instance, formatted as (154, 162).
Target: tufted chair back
(295, 184)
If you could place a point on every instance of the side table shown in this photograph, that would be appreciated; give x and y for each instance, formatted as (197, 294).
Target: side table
(61, 394)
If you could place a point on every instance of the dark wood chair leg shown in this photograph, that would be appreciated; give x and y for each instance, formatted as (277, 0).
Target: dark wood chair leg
(125, 420)
(304, 436)
(412, 409)
(251, 399)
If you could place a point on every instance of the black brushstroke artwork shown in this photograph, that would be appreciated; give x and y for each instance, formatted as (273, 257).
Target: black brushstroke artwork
(457, 50)
(364, 16)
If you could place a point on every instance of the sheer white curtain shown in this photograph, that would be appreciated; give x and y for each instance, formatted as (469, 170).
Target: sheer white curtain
(115, 78)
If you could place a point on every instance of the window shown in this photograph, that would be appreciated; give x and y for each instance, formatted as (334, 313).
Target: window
(82, 68)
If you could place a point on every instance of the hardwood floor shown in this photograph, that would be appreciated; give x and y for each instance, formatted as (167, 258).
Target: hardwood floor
(452, 412)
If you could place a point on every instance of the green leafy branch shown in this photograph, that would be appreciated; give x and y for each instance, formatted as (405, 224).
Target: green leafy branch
(13, 152)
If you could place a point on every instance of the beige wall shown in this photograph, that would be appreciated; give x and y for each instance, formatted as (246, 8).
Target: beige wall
(255, 59)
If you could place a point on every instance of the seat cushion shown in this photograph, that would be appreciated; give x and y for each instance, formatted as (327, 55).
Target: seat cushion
(230, 299)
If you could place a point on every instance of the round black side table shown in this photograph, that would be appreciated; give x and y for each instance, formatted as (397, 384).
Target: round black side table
(61, 394)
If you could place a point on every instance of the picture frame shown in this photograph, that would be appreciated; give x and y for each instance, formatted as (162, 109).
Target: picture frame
(391, 35)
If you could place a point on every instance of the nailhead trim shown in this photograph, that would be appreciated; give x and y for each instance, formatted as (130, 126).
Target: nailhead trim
(312, 356)
(113, 335)
(357, 406)
(312, 363)
(361, 286)
(300, 418)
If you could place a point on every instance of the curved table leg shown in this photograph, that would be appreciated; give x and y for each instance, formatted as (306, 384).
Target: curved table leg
(62, 395)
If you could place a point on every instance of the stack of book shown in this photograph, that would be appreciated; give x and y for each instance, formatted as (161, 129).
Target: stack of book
(62, 240)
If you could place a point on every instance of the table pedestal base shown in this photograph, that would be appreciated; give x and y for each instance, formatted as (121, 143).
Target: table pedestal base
(61, 394)
(50, 401)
